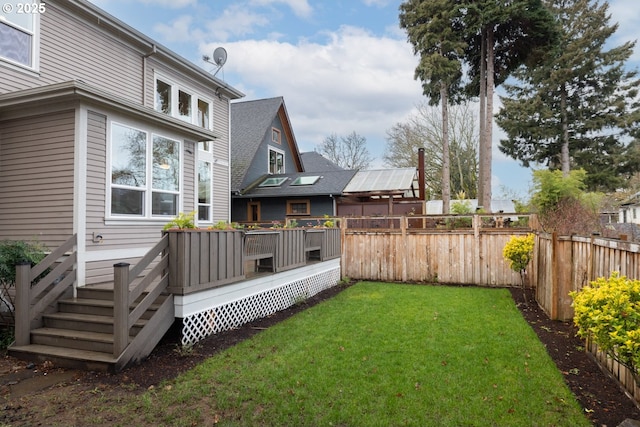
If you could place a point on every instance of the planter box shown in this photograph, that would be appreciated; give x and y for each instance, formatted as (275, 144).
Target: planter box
(202, 259)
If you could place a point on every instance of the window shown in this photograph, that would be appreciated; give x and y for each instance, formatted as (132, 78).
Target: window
(305, 180)
(19, 33)
(184, 106)
(272, 182)
(145, 173)
(276, 161)
(182, 103)
(275, 135)
(298, 207)
(163, 97)
(203, 114)
(204, 191)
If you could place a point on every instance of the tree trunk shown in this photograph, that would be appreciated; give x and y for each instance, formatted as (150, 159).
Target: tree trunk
(446, 160)
(565, 164)
(482, 117)
(488, 134)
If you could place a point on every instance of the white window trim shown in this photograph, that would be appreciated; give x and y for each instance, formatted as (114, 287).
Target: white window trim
(195, 97)
(148, 217)
(206, 156)
(270, 149)
(35, 46)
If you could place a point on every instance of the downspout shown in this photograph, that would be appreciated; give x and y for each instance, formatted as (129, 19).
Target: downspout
(153, 51)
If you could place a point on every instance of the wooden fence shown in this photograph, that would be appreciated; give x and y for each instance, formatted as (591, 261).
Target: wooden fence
(442, 249)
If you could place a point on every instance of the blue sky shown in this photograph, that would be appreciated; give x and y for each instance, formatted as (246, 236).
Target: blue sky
(341, 66)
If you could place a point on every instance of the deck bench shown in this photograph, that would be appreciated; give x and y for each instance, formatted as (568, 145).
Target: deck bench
(313, 243)
(260, 246)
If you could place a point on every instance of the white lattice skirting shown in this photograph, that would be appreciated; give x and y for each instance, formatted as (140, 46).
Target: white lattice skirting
(269, 298)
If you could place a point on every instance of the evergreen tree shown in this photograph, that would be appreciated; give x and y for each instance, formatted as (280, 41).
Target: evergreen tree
(431, 29)
(500, 37)
(576, 108)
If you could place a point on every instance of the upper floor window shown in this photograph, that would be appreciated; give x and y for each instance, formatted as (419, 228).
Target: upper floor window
(145, 173)
(275, 135)
(182, 103)
(19, 32)
(276, 161)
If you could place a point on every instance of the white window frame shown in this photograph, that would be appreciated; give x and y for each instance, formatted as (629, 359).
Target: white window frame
(174, 109)
(278, 151)
(205, 156)
(34, 33)
(148, 188)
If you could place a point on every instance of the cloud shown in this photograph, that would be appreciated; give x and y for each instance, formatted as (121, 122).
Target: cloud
(353, 81)
(173, 4)
(177, 30)
(300, 8)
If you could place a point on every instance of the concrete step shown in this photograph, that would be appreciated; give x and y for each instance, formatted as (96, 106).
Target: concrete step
(86, 322)
(65, 357)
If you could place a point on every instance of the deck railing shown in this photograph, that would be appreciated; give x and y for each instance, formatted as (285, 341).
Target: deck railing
(201, 259)
(33, 296)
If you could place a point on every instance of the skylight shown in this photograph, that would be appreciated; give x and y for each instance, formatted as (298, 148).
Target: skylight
(305, 180)
(272, 182)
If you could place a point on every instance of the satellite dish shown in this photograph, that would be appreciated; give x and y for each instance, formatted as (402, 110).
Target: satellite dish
(220, 56)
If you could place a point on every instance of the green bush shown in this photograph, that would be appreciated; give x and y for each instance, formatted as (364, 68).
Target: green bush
(608, 312)
(182, 221)
(14, 252)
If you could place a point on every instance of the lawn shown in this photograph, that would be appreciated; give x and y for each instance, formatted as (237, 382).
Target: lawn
(377, 355)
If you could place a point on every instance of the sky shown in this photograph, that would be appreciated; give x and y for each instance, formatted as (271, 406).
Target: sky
(342, 66)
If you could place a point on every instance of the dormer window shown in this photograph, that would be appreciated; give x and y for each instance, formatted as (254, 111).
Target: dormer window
(275, 136)
(182, 103)
(276, 161)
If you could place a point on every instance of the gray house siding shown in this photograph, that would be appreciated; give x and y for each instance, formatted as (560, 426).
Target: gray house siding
(260, 165)
(36, 172)
(74, 50)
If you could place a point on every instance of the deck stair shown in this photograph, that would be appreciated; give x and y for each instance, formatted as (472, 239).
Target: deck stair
(100, 328)
(80, 334)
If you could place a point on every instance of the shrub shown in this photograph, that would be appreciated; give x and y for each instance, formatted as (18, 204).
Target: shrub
(13, 252)
(182, 221)
(608, 312)
(518, 252)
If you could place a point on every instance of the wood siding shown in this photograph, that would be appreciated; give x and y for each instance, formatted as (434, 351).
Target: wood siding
(36, 172)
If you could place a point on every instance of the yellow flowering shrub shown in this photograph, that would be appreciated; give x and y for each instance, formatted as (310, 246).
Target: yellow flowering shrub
(519, 252)
(608, 311)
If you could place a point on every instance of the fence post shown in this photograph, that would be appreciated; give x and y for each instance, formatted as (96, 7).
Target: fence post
(23, 303)
(120, 307)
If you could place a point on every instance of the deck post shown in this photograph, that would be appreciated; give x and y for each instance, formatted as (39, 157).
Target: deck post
(23, 303)
(120, 307)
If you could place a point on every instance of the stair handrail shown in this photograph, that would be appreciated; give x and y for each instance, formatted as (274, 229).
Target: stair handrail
(31, 299)
(123, 297)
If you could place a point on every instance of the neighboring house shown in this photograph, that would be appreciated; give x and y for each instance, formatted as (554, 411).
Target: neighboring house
(291, 196)
(106, 134)
(268, 180)
(629, 211)
(434, 207)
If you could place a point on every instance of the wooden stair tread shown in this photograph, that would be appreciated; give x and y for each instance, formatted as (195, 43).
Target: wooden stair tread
(87, 318)
(67, 353)
(74, 334)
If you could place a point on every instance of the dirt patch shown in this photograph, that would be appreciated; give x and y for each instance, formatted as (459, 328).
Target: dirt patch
(43, 395)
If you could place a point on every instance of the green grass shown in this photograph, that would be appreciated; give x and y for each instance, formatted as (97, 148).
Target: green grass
(379, 355)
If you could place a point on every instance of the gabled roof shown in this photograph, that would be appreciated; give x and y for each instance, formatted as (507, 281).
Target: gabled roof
(250, 122)
(329, 183)
(382, 181)
(316, 162)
